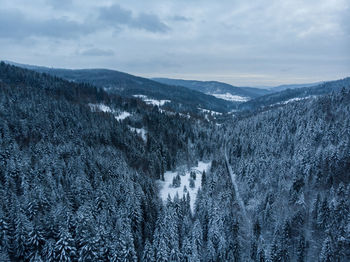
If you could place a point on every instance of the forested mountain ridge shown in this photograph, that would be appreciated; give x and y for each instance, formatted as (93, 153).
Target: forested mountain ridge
(76, 183)
(80, 185)
(126, 85)
(293, 168)
(293, 86)
(295, 94)
(217, 88)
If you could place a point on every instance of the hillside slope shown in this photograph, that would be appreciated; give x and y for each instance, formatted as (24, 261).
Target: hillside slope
(295, 94)
(127, 85)
(218, 89)
(77, 183)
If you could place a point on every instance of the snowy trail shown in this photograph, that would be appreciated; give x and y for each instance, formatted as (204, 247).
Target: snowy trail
(238, 196)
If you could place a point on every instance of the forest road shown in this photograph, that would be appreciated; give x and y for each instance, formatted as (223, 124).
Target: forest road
(237, 194)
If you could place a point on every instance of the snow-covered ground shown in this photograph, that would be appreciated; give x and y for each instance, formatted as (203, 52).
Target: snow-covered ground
(210, 111)
(141, 131)
(100, 108)
(106, 109)
(296, 99)
(151, 101)
(167, 189)
(122, 115)
(231, 97)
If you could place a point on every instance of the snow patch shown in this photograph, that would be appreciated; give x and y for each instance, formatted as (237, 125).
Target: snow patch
(210, 111)
(122, 115)
(100, 108)
(166, 187)
(151, 101)
(230, 97)
(106, 109)
(141, 131)
(296, 99)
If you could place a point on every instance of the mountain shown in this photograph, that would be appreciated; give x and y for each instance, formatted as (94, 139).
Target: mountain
(290, 95)
(292, 166)
(180, 98)
(77, 182)
(217, 89)
(88, 175)
(292, 86)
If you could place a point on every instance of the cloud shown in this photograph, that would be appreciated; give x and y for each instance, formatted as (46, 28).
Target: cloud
(282, 40)
(116, 16)
(345, 21)
(150, 23)
(15, 25)
(180, 18)
(59, 4)
(96, 52)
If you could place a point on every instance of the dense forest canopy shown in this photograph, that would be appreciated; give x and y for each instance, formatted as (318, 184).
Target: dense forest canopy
(81, 185)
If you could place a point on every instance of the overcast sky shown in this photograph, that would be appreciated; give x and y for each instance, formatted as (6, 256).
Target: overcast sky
(252, 43)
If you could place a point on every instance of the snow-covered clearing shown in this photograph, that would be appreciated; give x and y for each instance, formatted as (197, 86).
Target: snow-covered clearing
(151, 101)
(100, 108)
(230, 97)
(106, 109)
(122, 115)
(296, 99)
(141, 131)
(210, 111)
(166, 187)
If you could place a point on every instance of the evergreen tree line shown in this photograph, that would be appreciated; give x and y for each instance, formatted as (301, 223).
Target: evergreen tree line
(78, 185)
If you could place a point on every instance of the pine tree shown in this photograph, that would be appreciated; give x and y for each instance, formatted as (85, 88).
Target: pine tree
(275, 254)
(148, 252)
(323, 215)
(20, 236)
(253, 250)
(162, 254)
(35, 241)
(176, 181)
(5, 234)
(327, 254)
(261, 255)
(4, 256)
(187, 250)
(301, 249)
(204, 178)
(65, 249)
(48, 251)
(175, 256)
(192, 183)
(126, 249)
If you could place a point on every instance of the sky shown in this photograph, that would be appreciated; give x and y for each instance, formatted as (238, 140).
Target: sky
(244, 43)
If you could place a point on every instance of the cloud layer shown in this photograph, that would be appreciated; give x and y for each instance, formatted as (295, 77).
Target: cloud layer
(240, 42)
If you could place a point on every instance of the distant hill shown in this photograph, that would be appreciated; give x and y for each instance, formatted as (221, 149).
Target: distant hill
(292, 86)
(218, 89)
(288, 95)
(129, 85)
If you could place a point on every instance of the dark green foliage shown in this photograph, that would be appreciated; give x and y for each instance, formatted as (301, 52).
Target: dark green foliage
(127, 85)
(192, 183)
(71, 180)
(77, 185)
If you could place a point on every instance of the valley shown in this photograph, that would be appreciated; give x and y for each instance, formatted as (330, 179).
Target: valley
(97, 175)
(174, 131)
